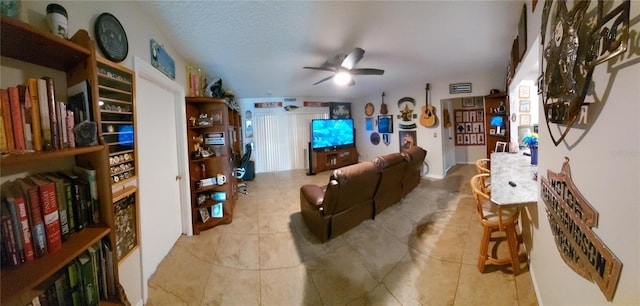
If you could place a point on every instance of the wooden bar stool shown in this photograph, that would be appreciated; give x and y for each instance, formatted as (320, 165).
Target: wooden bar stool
(482, 167)
(495, 218)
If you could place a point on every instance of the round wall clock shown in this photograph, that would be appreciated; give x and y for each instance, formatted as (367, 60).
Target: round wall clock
(111, 38)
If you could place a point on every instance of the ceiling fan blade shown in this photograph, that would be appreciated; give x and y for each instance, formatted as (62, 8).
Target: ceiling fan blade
(321, 68)
(353, 58)
(366, 71)
(325, 79)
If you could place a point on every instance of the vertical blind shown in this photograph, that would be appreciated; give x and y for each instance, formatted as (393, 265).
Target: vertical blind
(281, 140)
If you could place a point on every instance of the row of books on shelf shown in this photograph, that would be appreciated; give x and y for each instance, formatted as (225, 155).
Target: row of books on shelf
(86, 280)
(40, 211)
(33, 119)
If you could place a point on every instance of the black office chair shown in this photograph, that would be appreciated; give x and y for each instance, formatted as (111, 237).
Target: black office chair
(244, 169)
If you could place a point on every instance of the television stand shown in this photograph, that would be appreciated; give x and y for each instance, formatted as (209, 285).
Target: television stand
(328, 159)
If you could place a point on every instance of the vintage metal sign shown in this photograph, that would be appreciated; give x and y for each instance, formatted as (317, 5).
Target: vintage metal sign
(571, 218)
(577, 44)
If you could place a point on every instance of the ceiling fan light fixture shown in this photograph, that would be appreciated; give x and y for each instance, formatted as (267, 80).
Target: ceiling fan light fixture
(342, 78)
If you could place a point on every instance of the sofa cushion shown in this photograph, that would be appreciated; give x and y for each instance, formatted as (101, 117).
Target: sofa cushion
(415, 157)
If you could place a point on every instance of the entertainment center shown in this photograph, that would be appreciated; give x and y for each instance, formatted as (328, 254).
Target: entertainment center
(329, 159)
(332, 144)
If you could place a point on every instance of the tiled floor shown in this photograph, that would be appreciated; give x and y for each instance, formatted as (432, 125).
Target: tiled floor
(422, 251)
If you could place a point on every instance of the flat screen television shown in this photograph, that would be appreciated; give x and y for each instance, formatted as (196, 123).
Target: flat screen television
(331, 133)
(497, 121)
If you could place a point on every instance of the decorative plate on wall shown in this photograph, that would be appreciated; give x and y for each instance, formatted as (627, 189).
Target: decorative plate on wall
(111, 37)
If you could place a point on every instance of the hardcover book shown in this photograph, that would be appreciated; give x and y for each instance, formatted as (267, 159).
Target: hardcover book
(17, 199)
(6, 118)
(10, 200)
(49, 203)
(62, 204)
(45, 122)
(89, 175)
(36, 126)
(90, 288)
(8, 237)
(26, 108)
(16, 118)
(56, 140)
(32, 196)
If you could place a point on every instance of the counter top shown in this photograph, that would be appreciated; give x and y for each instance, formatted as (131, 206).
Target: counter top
(517, 168)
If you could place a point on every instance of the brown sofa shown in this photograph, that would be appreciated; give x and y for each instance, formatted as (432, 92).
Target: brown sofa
(359, 192)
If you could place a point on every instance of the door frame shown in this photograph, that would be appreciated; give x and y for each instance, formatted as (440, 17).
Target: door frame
(149, 73)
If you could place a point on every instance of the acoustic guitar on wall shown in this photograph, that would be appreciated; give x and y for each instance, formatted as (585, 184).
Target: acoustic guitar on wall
(428, 115)
(383, 107)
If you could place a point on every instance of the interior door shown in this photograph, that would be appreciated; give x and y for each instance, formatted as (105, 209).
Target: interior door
(448, 147)
(159, 184)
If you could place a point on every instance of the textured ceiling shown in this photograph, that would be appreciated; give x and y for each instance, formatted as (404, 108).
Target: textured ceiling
(259, 48)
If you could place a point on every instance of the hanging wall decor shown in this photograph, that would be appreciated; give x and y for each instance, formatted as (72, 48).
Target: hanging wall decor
(469, 127)
(406, 116)
(571, 218)
(576, 45)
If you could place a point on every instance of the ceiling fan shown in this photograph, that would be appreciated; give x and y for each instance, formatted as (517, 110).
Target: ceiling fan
(342, 66)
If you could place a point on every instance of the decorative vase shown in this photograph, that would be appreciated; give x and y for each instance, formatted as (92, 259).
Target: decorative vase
(534, 155)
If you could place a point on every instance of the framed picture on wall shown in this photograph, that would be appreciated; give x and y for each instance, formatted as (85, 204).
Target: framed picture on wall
(525, 106)
(523, 92)
(468, 102)
(525, 119)
(385, 124)
(339, 110)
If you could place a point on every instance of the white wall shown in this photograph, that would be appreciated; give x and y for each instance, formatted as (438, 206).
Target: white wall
(605, 167)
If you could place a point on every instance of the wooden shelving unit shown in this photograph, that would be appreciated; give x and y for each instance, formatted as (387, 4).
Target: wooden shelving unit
(76, 58)
(213, 126)
(116, 101)
(496, 105)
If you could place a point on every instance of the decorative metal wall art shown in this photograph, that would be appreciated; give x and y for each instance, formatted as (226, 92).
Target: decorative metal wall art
(575, 47)
(571, 218)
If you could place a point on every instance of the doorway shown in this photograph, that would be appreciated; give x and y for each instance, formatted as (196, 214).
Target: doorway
(160, 117)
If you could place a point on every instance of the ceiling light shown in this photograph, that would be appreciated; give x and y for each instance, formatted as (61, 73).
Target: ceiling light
(342, 78)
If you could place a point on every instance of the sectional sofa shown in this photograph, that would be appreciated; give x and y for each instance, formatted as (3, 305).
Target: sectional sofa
(359, 192)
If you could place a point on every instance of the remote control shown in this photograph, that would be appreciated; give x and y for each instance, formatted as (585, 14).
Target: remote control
(512, 184)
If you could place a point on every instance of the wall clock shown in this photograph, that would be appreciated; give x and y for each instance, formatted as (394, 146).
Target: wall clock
(111, 38)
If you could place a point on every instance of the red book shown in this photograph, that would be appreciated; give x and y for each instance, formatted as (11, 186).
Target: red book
(16, 198)
(6, 118)
(49, 203)
(16, 118)
(32, 195)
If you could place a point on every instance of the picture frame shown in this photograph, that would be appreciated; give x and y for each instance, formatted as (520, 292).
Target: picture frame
(492, 131)
(407, 139)
(525, 119)
(340, 110)
(525, 106)
(540, 84)
(522, 33)
(468, 102)
(523, 91)
(385, 124)
(459, 88)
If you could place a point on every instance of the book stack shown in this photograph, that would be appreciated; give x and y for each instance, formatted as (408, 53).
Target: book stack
(86, 280)
(41, 211)
(32, 119)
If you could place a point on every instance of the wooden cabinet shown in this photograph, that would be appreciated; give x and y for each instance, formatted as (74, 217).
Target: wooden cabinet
(75, 58)
(116, 101)
(333, 158)
(496, 109)
(214, 142)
